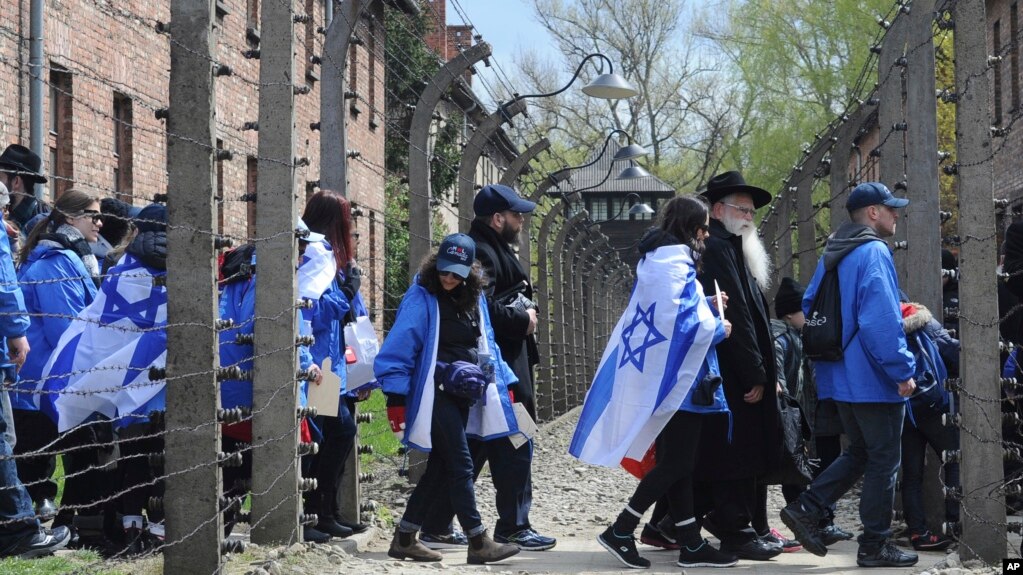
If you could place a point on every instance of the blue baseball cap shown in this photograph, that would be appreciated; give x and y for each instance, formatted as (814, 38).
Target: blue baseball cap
(496, 198)
(456, 254)
(872, 194)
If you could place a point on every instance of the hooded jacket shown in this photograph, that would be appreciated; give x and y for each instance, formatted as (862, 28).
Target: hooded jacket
(876, 355)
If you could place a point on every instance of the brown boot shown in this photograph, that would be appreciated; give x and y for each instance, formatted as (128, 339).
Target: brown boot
(483, 549)
(407, 546)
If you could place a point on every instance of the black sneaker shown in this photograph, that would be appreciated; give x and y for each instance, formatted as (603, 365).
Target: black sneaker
(527, 540)
(705, 556)
(804, 527)
(39, 543)
(654, 537)
(887, 555)
(833, 534)
(623, 548)
(928, 541)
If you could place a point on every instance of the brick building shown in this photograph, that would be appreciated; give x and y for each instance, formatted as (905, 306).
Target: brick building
(107, 69)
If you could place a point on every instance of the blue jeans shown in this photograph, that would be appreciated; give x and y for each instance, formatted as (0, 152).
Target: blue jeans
(874, 431)
(448, 471)
(17, 516)
(915, 439)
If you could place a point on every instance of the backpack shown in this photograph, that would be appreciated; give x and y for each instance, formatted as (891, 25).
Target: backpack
(822, 332)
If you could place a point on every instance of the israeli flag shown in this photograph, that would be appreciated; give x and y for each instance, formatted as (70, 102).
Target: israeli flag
(650, 363)
(101, 363)
(316, 270)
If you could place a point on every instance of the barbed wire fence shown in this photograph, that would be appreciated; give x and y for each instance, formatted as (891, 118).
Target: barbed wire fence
(197, 476)
(889, 133)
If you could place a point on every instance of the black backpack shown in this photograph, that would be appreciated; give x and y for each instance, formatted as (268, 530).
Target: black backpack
(822, 332)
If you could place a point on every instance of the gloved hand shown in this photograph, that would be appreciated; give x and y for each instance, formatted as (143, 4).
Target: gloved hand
(151, 248)
(396, 416)
(511, 393)
(353, 281)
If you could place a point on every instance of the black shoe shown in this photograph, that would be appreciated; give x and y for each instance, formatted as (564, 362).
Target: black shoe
(833, 534)
(804, 527)
(705, 556)
(654, 537)
(46, 510)
(623, 548)
(333, 528)
(755, 549)
(928, 541)
(711, 526)
(313, 535)
(355, 527)
(667, 528)
(887, 555)
(38, 543)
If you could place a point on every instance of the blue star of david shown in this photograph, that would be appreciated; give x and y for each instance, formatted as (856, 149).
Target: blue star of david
(637, 355)
(142, 313)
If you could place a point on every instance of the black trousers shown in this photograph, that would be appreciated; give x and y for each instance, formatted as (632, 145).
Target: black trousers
(88, 472)
(137, 477)
(329, 464)
(36, 431)
(732, 502)
(672, 476)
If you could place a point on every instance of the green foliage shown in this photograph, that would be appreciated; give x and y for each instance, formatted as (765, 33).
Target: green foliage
(447, 154)
(85, 562)
(396, 244)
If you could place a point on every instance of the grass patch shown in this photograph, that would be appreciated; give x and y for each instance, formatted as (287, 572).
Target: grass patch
(377, 432)
(77, 561)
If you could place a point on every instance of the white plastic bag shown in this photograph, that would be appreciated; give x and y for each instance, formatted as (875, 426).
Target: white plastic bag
(362, 338)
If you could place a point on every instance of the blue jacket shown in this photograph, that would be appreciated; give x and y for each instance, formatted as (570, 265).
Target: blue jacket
(54, 281)
(327, 322)
(406, 361)
(876, 356)
(13, 319)
(710, 365)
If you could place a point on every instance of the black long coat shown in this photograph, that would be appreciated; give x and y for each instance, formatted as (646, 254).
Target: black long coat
(747, 360)
(503, 271)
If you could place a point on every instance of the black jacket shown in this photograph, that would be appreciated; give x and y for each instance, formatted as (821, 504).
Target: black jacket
(510, 324)
(747, 360)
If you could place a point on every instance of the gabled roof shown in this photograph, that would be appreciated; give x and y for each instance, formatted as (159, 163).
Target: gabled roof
(589, 176)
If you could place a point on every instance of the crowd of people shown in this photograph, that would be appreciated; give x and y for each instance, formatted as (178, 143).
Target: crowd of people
(700, 394)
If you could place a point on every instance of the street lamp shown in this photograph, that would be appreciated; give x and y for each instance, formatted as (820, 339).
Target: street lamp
(629, 152)
(638, 209)
(608, 86)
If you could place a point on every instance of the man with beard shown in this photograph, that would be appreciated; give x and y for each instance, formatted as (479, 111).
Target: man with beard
(19, 170)
(868, 384)
(735, 261)
(496, 227)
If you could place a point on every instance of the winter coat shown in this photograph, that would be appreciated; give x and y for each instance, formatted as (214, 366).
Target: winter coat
(54, 282)
(930, 344)
(876, 356)
(406, 362)
(747, 360)
(503, 271)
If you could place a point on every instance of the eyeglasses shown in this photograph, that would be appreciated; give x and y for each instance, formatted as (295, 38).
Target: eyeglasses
(96, 217)
(743, 210)
(450, 275)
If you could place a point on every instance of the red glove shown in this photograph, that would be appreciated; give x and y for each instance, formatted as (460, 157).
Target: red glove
(396, 415)
(511, 395)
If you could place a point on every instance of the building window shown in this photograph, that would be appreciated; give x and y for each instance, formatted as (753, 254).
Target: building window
(61, 140)
(996, 37)
(122, 147)
(252, 21)
(251, 172)
(1014, 55)
(597, 208)
(650, 202)
(372, 61)
(219, 197)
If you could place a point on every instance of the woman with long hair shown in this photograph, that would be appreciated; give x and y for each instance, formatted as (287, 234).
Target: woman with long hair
(445, 379)
(58, 276)
(330, 214)
(666, 391)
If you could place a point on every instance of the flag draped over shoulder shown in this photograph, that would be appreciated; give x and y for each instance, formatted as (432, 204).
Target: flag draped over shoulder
(101, 363)
(650, 363)
(316, 270)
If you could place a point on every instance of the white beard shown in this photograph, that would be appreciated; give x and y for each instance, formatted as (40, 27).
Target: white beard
(758, 262)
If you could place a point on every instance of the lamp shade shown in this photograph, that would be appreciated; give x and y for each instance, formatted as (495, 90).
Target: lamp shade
(630, 152)
(640, 209)
(609, 87)
(633, 173)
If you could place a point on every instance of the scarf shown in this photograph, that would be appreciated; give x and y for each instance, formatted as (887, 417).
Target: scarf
(68, 237)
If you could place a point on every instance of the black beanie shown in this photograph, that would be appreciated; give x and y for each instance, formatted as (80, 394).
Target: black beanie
(789, 298)
(948, 260)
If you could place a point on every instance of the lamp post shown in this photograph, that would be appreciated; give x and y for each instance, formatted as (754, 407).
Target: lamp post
(608, 86)
(637, 209)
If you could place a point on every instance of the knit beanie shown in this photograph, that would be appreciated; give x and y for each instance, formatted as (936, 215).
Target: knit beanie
(789, 298)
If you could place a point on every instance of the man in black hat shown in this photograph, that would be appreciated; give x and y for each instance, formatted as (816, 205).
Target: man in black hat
(499, 217)
(19, 171)
(735, 261)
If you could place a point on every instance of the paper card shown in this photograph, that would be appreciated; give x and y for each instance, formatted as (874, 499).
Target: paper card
(717, 298)
(527, 427)
(326, 396)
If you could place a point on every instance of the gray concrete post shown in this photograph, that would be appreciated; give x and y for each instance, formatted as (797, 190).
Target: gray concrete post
(807, 234)
(546, 380)
(471, 155)
(983, 510)
(892, 167)
(195, 528)
(420, 212)
(843, 178)
(276, 503)
(510, 177)
(525, 247)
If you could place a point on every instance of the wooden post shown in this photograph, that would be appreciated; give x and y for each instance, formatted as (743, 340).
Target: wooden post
(194, 524)
(276, 504)
(981, 450)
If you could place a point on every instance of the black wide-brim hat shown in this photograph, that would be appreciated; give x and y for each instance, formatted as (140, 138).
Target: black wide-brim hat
(723, 185)
(25, 162)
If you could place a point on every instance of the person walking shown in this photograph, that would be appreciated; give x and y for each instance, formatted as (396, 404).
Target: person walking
(869, 384)
(445, 378)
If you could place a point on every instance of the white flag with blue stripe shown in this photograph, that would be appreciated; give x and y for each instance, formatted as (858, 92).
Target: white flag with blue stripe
(316, 270)
(101, 363)
(650, 363)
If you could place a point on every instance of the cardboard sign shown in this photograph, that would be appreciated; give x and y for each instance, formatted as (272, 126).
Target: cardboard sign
(326, 396)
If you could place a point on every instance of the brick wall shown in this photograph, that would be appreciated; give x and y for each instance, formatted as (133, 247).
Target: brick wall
(113, 49)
